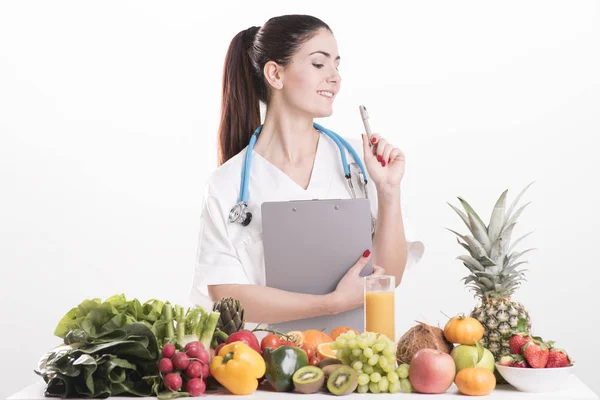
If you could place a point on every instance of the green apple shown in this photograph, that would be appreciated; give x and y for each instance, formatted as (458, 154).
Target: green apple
(464, 357)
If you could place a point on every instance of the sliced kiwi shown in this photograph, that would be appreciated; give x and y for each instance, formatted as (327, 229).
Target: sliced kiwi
(308, 379)
(342, 381)
(328, 370)
(328, 361)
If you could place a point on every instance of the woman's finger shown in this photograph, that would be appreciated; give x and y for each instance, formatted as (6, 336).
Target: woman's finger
(396, 152)
(381, 143)
(377, 270)
(386, 155)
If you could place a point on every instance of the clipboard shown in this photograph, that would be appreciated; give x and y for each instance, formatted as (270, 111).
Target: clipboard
(309, 245)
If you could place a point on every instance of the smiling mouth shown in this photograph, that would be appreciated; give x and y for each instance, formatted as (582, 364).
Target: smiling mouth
(325, 93)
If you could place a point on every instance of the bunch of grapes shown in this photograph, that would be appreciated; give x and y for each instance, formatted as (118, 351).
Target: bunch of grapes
(373, 357)
(189, 366)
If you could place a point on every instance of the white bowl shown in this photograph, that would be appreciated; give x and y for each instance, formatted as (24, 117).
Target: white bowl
(535, 379)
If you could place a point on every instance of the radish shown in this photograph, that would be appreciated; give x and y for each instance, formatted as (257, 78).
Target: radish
(198, 353)
(195, 387)
(194, 370)
(180, 360)
(165, 365)
(173, 381)
(193, 344)
(205, 371)
(168, 350)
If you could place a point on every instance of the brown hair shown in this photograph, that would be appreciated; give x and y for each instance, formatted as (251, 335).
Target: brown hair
(244, 85)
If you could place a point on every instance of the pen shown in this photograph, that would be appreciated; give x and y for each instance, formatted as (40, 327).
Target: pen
(365, 118)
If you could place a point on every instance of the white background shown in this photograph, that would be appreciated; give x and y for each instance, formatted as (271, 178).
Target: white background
(108, 121)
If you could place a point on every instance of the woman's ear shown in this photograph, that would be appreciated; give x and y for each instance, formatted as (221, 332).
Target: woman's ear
(273, 74)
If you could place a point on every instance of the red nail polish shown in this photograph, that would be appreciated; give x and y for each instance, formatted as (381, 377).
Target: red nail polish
(374, 140)
(378, 158)
(389, 159)
(383, 163)
(367, 253)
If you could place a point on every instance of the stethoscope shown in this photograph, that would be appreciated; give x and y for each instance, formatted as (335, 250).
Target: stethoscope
(239, 212)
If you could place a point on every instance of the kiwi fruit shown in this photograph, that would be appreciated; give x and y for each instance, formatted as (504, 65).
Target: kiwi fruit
(328, 370)
(342, 381)
(328, 361)
(308, 379)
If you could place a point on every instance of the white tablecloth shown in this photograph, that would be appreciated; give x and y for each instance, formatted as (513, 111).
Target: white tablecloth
(572, 390)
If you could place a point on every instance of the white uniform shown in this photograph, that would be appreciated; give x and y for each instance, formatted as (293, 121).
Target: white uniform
(229, 253)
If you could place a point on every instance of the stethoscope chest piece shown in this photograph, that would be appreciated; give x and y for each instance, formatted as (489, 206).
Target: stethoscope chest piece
(239, 214)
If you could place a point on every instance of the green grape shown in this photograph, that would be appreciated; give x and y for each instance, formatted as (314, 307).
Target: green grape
(373, 359)
(368, 369)
(334, 346)
(403, 370)
(374, 387)
(394, 387)
(356, 353)
(341, 342)
(357, 365)
(362, 342)
(363, 379)
(350, 334)
(353, 344)
(364, 388)
(371, 339)
(393, 377)
(362, 358)
(378, 347)
(390, 349)
(389, 368)
(375, 377)
(405, 386)
(346, 361)
(383, 363)
(368, 352)
(384, 384)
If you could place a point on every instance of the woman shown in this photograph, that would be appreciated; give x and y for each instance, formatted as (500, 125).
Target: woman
(291, 65)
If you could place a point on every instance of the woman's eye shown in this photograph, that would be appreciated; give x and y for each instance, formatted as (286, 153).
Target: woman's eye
(319, 65)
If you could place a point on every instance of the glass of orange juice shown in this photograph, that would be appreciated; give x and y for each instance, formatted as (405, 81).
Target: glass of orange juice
(379, 305)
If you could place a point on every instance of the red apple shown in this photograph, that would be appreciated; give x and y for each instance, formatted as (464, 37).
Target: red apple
(431, 371)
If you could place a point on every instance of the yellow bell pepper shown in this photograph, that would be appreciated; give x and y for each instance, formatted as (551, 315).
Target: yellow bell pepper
(238, 367)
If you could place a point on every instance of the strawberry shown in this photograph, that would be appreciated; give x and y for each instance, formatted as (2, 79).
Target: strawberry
(506, 360)
(536, 354)
(517, 341)
(558, 358)
(520, 362)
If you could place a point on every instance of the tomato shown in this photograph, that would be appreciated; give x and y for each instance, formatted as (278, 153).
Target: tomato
(288, 343)
(310, 351)
(314, 361)
(271, 340)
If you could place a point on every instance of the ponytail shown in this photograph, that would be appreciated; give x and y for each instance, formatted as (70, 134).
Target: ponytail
(240, 106)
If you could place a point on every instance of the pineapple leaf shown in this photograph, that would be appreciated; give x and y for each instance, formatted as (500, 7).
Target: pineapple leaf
(480, 233)
(497, 219)
(486, 261)
(517, 242)
(516, 200)
(515, 256)
(470, 262)
(487, 282)
(476, 249)
(465, 246)
(462, 215)
(493, 270)
(470, 211)
(513, 219)
(496, 253)
(505, 237)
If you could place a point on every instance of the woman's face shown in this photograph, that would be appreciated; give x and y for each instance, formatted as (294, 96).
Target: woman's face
(311, 80)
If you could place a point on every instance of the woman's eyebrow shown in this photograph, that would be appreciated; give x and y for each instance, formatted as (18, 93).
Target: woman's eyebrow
(326, 54)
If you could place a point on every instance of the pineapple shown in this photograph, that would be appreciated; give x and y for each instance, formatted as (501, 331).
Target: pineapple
(232, 315)
(494, 271)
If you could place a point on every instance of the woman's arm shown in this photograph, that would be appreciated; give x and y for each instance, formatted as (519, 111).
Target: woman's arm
(268, 305)
(389, 242)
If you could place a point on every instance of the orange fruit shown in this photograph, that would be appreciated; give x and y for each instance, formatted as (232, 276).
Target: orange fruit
(314, 338)
(297, 337)
(337, 331)
(324, 351)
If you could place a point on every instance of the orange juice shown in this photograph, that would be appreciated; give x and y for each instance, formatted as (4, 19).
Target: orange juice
(379, 313)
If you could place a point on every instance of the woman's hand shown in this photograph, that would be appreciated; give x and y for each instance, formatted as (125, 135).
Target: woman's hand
(349, 292)
(384, 163)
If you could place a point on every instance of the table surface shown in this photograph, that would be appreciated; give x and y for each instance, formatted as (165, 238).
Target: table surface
(572, 390)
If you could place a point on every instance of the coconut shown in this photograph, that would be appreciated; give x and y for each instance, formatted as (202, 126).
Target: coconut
(421, 336)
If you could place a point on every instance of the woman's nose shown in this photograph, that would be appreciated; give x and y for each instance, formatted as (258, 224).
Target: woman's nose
(334, 77)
